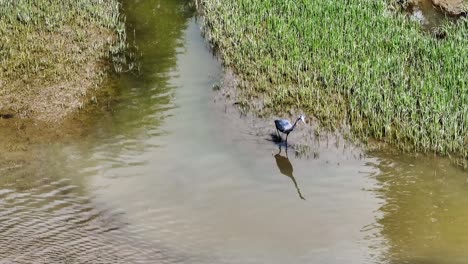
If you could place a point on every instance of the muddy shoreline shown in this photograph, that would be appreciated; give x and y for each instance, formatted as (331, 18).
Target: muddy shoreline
(310, 139)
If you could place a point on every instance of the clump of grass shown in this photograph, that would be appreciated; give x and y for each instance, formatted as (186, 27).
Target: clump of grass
(355, 61)
(54, 53)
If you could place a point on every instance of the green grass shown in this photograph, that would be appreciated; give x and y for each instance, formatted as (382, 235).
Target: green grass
(48, 44)
(355, 62)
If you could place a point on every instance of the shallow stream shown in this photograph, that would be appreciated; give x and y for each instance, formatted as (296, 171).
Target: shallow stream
(171, 174)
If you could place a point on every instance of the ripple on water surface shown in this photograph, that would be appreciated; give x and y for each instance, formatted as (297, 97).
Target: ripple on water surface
(53, 222)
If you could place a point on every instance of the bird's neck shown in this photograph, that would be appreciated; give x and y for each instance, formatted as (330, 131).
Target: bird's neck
(295, 123)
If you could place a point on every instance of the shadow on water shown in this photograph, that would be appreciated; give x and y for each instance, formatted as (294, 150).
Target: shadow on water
(286, 168)
(276, 139)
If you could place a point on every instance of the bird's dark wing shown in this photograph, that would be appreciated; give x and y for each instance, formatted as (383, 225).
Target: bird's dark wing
(282, 124)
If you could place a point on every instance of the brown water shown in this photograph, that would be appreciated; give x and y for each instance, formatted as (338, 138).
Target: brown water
(173, 175)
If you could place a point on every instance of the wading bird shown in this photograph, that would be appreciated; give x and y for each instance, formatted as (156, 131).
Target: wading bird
(284, 126)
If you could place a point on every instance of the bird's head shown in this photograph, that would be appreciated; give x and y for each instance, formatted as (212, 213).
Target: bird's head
(302, 118)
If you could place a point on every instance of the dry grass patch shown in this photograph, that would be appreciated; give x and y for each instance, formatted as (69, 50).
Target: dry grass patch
(54, 56)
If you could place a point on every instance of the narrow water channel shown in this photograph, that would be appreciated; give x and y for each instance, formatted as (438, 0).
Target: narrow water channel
(171, 175)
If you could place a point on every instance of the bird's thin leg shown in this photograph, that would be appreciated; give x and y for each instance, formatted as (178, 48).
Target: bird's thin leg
(287, 139)
(278, 134)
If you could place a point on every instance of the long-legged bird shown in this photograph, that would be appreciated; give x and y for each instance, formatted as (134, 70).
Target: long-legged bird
(284, 126)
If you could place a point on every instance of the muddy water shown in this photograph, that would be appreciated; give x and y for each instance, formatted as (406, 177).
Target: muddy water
(171, 174)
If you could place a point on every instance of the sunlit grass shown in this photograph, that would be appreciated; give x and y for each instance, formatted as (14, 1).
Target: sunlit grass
(56, 43)
(355, 62)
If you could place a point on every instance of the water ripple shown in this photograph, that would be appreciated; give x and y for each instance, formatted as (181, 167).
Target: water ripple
(52, 223)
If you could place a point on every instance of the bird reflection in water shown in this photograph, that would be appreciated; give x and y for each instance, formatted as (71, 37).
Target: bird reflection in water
(286, 168)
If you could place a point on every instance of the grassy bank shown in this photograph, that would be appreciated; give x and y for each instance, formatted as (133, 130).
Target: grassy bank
(356, 62)
(55, 54)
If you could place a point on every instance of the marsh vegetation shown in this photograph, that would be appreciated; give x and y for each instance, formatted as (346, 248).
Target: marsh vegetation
(55, 54)
(357, 63)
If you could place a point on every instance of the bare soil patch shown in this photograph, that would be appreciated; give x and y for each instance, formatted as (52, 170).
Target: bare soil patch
(453, 7)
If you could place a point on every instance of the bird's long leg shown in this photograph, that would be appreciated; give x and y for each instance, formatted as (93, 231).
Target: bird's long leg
(278, 134)
(287, 139)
